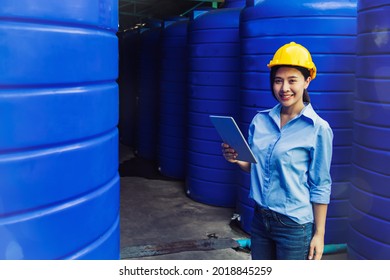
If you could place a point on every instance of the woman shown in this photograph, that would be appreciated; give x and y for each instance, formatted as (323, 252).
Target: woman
(291, 182)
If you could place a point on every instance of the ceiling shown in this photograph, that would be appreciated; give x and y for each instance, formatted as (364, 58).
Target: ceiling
(132, 12)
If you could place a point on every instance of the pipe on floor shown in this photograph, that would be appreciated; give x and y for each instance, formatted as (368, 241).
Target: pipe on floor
(328, 248)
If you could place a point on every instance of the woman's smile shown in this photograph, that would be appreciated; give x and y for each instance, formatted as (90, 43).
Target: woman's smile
(286, 97)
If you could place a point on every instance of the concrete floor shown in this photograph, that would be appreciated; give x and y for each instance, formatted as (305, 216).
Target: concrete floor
(158, 220)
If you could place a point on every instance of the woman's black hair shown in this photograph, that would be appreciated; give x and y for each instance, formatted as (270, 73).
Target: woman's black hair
(305, 72)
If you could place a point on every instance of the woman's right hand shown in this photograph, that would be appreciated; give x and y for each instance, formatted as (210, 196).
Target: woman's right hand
(231, 156)
(229, 153)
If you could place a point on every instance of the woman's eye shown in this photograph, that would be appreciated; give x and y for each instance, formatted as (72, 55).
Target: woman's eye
(277, 81)
(293, 81)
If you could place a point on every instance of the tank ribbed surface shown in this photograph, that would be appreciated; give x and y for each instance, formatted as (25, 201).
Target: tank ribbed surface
(327, 29)
(213, 90)
(148, 92)
(58, 137)
(173, 101)
(369, 219)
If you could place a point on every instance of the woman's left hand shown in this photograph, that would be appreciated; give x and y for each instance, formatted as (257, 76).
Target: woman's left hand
(316, 247)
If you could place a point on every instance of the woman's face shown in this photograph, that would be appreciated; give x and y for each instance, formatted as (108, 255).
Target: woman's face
(288, 87)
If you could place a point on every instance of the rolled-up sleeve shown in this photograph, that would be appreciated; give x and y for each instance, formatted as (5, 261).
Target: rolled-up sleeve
(320, 181)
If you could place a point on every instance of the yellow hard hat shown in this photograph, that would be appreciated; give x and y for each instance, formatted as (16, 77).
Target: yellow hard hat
(296, 55)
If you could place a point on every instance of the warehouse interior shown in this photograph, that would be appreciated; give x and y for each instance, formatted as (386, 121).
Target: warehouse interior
(173, 226)
(107, 150)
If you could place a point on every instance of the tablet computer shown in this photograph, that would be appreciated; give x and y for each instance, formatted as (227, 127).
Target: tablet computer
(231, 134)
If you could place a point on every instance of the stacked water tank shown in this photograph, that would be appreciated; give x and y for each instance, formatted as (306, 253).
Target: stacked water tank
(213, 88)
(369, 236)
(327, 29)
(173, 101)
(127, 81)
(58, 136)
(148, 89)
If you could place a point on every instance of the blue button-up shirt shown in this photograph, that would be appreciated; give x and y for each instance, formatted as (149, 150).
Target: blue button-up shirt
(293, 169)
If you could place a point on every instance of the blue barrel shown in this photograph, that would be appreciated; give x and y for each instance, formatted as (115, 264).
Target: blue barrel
(58, 135)
(148, 92)
(213, 46)
(127, 81)
(328, 30)
(369, 234)
(173, 89)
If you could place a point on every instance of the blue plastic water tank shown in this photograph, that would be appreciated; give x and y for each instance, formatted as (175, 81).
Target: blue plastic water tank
(213, 43)
(173, 101)
(369, 235)
(127, 81)
(58, 137)
(148, 91)
(328, 30)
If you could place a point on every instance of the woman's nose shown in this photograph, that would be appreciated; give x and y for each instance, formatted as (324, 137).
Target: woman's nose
(285, 87)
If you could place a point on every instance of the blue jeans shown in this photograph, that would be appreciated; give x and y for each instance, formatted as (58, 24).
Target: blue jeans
(277, 237)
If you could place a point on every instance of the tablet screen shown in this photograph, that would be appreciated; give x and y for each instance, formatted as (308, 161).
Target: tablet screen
(230, 133)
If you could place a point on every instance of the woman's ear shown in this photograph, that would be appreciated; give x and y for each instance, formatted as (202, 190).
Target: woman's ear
(307, 82)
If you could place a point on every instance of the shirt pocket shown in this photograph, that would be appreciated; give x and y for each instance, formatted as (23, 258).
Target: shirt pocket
(297, 157)
(287, 157)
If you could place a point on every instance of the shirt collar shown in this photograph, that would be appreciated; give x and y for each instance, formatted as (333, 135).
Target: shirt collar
(307, 112)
